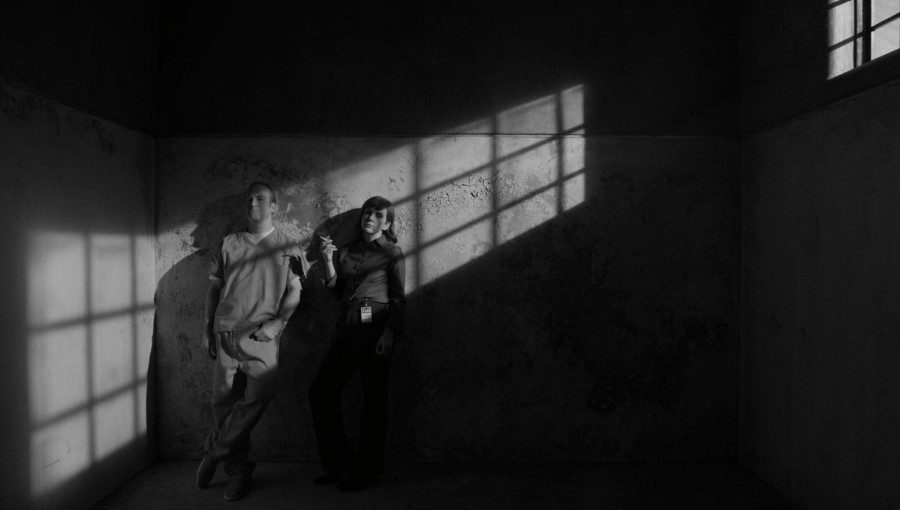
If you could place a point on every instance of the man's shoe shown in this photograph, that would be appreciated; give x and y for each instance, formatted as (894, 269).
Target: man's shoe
(326, 478)
(237, 488)
(354, 481)
(206, 471)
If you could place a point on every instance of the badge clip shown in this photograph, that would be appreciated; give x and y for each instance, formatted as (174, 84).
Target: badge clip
(365, 313)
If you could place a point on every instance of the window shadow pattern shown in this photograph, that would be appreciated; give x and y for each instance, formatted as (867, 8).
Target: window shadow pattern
(540, 305)
(459, 195)
(90, 320)
(515, 183)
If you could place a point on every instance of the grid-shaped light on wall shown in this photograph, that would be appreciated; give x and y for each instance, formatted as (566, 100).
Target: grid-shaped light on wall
(571, 103)
(90, 325)
(477, 191)
(459, 195)
(860, 31)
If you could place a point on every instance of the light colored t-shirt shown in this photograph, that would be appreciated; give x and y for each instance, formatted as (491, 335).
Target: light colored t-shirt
(255, 272)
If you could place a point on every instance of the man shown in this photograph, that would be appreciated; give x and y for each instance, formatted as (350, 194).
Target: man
(252, 294)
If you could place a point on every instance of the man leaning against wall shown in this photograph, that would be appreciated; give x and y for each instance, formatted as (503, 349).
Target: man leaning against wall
(252, 294)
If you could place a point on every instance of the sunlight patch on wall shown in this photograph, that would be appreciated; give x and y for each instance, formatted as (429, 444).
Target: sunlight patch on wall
(59, 452)
(354, 183)
(144, 270)
(527, 214)
(540, 177)
(526, 170)
(57, 273)
(144, 318)
(573, 191)
(474, 192)
(411, 260)
(450, 206)
(114, 424)
(572, 108)
(445, 158)
(112, 350)
(57, 371)
(90, 310)
(573, 152)
(455, 251)
(111, 272)
(538, 116)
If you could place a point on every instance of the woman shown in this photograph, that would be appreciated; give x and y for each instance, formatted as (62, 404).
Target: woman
(368, 276)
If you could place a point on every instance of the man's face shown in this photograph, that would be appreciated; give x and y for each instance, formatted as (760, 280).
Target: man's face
(260, 206)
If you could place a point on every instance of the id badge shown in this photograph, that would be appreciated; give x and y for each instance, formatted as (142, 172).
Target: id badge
(365, 314)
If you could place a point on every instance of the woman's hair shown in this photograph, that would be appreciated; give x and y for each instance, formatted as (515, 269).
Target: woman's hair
(379, 203)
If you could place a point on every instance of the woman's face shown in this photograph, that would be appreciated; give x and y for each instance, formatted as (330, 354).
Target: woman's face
(374, 221)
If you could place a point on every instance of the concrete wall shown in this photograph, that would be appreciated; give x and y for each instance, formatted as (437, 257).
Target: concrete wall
(417, 68)
(568, 204)
(78, 261)
(100, 57)
(571, 298)
(819, 353)
(818, 337)
(78, 268)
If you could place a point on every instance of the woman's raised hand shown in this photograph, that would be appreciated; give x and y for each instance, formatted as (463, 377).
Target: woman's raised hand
(326, 247)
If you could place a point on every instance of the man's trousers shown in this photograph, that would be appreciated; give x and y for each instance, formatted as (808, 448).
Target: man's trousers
(245, 378)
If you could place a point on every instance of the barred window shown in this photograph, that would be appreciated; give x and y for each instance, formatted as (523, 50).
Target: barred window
(861, 31)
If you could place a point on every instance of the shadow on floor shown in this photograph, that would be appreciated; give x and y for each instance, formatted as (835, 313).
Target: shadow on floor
(170, 484)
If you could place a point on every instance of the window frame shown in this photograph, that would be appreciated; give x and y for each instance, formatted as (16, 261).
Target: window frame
(861, 39)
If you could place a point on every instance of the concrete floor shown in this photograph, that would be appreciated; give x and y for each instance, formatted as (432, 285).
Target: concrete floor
(170, 485)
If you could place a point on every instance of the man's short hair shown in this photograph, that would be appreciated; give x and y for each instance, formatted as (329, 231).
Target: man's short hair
(264, 185)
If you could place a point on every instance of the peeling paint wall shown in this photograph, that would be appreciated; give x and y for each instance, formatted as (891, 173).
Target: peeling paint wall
(570, 297)
(820, 379)
(78, 274)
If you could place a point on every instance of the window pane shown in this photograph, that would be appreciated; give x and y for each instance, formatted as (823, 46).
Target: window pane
(840, 59)
(840, 22)
(886, 39)
(882, 10)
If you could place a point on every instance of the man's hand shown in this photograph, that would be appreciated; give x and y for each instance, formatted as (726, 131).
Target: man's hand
(211, 347)
(385, 344)
(269, 331)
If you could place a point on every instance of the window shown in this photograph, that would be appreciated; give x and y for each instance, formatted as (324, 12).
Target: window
(860, 31)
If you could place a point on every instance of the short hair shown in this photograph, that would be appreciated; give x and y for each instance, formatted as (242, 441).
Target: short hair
(264, 185)
(377, 202)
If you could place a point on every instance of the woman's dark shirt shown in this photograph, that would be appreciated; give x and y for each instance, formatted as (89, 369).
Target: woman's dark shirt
(371, 270)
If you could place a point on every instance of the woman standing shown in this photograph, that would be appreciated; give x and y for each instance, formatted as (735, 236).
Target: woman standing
(368, 276)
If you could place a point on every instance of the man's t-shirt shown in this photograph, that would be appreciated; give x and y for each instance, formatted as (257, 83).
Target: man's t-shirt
(255, 273)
